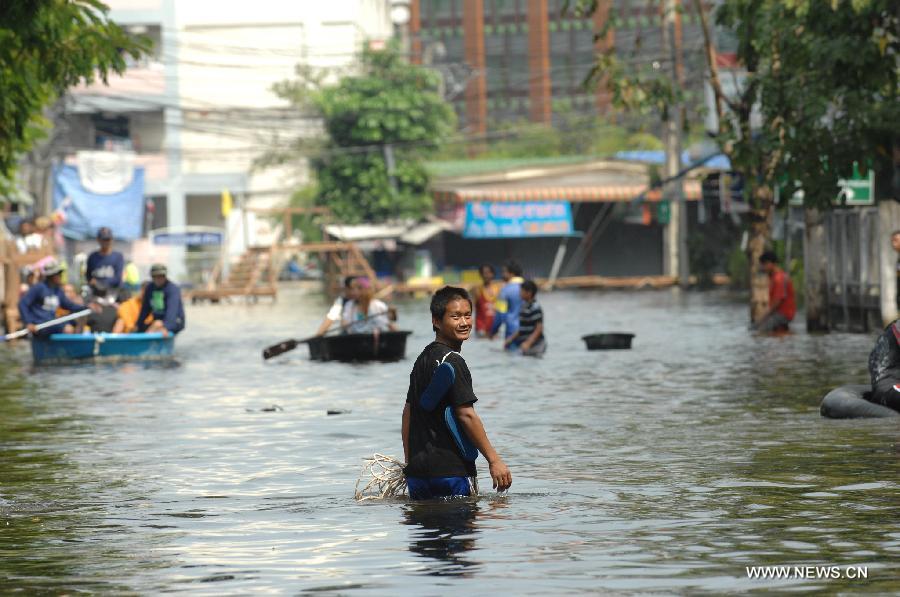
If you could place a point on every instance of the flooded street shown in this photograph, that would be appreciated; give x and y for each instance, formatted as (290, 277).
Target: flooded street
(670, 467)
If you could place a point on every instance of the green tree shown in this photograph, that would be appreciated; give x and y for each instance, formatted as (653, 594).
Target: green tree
(380, 124)
(821, 76)
(47, 46)
(824, 79)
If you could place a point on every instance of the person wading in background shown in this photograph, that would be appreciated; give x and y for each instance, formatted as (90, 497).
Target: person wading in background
(509, 302)
(485, 296)
(782, 306)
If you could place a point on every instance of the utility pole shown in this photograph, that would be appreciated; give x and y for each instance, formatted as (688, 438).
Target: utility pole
(675, 235)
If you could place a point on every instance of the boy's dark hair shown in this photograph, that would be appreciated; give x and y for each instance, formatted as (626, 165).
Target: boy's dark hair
(442, 297)
(895, 233)
(513, 267)
(487, 266)
(530, 286)
(348, 281)
(768, 257)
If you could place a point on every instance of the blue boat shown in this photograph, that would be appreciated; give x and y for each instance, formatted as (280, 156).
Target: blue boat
(70, 348)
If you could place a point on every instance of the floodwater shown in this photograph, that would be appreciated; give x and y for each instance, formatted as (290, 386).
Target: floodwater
(669, 468)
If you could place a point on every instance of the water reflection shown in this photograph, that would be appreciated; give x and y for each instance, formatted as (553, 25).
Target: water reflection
(665, 468)
(445, 531)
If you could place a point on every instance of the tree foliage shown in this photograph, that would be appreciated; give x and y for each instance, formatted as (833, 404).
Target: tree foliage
(47, 46)
(822, 74)
(824, 77)
(389, 107)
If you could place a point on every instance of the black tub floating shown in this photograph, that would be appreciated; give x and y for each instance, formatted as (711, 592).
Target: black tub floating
(607, 341)
(849, 402)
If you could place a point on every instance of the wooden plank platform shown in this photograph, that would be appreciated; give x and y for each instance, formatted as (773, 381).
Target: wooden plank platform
(602, 282)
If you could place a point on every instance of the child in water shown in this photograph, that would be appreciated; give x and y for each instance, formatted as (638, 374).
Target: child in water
(436, 466)
(529, 338)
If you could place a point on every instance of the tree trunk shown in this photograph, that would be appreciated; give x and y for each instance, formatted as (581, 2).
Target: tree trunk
(815, 270)
(760, 239)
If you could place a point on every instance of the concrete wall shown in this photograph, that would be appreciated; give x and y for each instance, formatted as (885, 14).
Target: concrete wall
(888, 221)
(622, 250)
(204, 210)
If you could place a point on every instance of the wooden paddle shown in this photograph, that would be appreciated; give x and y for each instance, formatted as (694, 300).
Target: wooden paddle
(291, 344)
(47, 324)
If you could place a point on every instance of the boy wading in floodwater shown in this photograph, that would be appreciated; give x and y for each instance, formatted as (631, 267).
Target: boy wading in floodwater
(436, 466)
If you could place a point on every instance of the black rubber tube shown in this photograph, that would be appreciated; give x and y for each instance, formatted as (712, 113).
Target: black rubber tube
(848, 402)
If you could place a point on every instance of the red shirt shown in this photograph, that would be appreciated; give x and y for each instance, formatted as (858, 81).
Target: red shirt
(781, 287)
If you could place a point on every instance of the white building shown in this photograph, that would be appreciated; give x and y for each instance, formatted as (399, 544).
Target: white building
(200, 109)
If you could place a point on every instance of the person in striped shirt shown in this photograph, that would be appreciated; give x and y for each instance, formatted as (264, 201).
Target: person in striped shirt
(529, 338)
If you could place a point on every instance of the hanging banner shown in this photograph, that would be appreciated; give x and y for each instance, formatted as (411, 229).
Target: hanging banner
(518, 219)
(85, 212)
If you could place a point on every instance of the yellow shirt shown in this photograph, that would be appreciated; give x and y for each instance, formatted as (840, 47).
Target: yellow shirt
(128, 313)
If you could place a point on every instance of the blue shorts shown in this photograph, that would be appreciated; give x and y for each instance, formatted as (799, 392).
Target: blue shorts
(437, 487)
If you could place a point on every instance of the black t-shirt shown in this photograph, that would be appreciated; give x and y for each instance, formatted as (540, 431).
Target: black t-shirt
(432, 451)
(884, 360)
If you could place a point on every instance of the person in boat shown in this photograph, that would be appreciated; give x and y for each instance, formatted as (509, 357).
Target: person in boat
(72, 295)
(127, 314)
(529, 338)
(162, 301)
(485, 296)
(336, 312)
(364, 313)
(509, 302)
(435, 466)
(884, 368)
(782, 305)
(39, 304)
(105, 265)
(103, 319)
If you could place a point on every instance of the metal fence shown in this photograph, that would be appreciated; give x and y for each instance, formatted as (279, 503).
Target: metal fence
(854, 282)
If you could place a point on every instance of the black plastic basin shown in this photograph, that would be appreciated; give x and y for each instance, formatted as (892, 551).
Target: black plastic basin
(608, 341)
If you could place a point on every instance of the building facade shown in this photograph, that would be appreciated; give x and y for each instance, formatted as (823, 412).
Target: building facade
(510, 60)
(200, 109)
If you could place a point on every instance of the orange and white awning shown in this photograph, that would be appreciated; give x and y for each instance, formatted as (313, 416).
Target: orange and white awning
(579, 194)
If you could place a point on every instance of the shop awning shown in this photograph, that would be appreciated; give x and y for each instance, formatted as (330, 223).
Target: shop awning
(422, 233)
(385, 236)
(580, 194)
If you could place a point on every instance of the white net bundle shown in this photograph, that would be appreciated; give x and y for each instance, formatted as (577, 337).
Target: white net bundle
(383, 477)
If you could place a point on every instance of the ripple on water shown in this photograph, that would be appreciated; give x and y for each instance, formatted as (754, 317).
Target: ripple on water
(667, 468)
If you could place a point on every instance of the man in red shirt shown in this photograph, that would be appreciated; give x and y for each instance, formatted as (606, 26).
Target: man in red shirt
(782, 306)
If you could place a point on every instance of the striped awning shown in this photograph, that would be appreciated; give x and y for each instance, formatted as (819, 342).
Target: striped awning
(580, 194)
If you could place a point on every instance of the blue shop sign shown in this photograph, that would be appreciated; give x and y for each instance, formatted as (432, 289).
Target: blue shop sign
(193, 239)
(518, 219)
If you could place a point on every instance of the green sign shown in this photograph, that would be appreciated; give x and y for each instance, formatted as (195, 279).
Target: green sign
(858, 189)
(663, 212)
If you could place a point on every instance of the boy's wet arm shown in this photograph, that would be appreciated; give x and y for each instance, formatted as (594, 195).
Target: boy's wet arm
(474, 429)
(404, 431)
